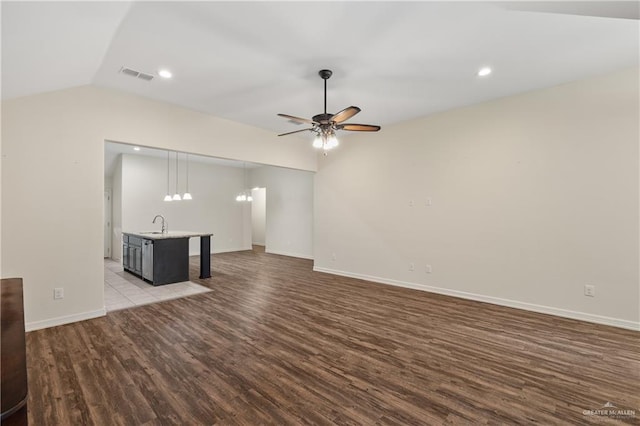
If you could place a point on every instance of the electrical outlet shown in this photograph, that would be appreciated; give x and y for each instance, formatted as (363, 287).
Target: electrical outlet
(590, 290)
(410, 203)
(428, 203)
(58, 293)
(412, 267)
(333, 257)
(427, 269)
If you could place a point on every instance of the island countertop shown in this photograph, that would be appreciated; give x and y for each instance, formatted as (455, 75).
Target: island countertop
(157, 235)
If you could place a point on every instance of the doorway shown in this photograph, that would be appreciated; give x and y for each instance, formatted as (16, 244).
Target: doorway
(258, 216)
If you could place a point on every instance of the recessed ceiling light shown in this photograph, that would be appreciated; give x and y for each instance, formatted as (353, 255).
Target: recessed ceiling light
(484, 71)
(136, 148)
(165, 73)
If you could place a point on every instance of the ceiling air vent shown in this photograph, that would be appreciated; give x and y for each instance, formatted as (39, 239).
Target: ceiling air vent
(147, 77)
(129, 71)
(133, 73)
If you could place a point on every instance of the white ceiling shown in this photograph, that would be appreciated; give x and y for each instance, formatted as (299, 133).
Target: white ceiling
(248, 61)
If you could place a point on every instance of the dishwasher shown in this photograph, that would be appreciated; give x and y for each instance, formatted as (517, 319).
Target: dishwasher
(147, 260)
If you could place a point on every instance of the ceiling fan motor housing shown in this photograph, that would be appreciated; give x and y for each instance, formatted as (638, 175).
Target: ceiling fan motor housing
(322, 118)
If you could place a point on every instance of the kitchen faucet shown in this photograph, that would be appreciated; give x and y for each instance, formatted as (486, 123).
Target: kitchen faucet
(163, 222)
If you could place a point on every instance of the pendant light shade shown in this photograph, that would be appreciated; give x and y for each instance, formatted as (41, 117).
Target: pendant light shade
(317, 142)
(176, 196)
(332, 141)
(187, 195)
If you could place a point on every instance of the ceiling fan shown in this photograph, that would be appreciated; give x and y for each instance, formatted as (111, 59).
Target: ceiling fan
(325, 125)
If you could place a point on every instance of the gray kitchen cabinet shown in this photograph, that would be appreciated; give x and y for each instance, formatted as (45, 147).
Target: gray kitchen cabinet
(132, 254)
(157, 261)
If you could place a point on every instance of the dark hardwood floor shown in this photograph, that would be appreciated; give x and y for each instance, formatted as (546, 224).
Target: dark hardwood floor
(276, 343)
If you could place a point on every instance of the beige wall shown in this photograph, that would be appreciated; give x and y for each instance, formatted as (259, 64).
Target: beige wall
(52, 183)
(116, 211)
(532, 197)
(289, 210)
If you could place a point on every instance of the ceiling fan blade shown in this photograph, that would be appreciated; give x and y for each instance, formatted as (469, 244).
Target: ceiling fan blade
(297, 119)
(296, 131)
(359, 127)
(345, 114)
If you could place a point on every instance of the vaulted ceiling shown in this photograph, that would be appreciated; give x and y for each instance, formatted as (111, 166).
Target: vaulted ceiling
(248, 61)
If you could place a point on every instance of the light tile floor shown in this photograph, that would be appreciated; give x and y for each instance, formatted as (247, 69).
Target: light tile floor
(123, 290)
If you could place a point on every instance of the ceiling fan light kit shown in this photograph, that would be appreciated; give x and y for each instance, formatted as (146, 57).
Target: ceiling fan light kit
(325, 125)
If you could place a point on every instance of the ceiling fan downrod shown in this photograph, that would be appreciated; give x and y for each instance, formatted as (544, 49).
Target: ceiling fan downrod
(325, 74)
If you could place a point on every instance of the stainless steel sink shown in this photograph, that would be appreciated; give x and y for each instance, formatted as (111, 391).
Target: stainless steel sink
(151, 232)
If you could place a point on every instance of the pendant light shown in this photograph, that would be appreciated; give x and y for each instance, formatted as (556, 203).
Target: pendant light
(242, 196)
(168, 196)
(176, 196)
(245, 195)
(187, 195)
(246, 185)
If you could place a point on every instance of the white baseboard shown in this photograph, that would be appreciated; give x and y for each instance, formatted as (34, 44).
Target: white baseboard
(227, 250)
(52, 322)
(290, 254)
(281, 253)
(597, 319)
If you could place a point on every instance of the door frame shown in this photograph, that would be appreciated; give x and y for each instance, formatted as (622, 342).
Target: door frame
(107, 223)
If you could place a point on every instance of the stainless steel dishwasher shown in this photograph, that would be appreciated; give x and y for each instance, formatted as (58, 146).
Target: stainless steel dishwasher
(147, 260)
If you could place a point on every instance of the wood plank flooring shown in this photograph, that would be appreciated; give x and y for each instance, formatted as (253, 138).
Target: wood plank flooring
(276, 343)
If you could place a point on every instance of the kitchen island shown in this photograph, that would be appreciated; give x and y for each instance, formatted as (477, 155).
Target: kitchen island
(163, 257)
